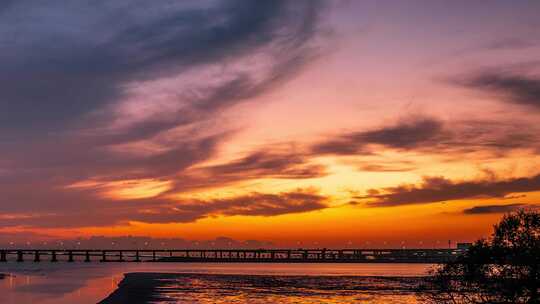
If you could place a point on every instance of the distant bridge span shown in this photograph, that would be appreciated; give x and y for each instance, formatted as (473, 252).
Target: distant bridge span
(233, 255)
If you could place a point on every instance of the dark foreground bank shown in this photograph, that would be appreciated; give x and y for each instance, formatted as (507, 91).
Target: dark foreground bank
(210, 288)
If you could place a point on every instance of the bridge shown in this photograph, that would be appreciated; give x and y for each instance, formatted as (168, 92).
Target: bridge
(233, 255)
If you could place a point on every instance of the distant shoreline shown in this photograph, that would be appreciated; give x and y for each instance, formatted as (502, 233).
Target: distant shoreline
(146, 287)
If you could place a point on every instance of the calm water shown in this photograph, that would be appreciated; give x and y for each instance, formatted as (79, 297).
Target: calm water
(63, 283)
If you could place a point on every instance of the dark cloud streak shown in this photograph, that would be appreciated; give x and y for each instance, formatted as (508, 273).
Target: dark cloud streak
(513, 88)
(438, 189)
(430, 135)
(404, 135)
(255, 204)
(490, 209)
(103, 212)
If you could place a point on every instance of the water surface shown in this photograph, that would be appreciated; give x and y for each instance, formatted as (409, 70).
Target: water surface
(63, 283)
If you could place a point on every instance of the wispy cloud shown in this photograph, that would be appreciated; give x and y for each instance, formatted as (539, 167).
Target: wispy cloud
(135, 90)
(77, 58)
(509, 43)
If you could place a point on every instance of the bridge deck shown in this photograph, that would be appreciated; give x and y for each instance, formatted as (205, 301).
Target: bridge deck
(234, 255)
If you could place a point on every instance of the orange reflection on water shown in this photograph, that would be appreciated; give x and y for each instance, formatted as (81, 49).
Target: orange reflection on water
(89, 283)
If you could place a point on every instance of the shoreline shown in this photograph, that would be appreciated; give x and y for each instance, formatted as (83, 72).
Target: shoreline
(145, 287)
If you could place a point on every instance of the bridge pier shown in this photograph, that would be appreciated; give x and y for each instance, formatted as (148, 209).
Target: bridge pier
(70, 256)
(3, 256)
(36, 256)
(87, 257)
(137, 257)
(20, 256)
(53, 257)
(154, 256)
(120, 256)
(104, 256)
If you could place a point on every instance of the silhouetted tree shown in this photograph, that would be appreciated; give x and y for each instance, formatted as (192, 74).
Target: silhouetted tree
(503, 269)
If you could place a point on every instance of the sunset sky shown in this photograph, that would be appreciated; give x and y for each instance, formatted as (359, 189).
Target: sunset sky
(314, 123)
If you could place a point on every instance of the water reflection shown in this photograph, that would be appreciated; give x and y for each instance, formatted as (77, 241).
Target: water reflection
(211, 288)
(82, 283)
(62, 284)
